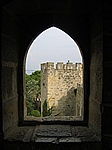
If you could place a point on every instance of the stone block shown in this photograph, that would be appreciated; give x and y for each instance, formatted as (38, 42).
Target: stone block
(96, 84)
(107, 23)
(107, 120)
(69, 139)
(95, 116)
(53, 130)
(107, 142)
(107, 79)
(9, 83)
(10, 115)
(107, 87)
(107, 49)
(97, 24)
(46, 140)
(18, 145)
(9, 50)
(7, 23)
(96, 53)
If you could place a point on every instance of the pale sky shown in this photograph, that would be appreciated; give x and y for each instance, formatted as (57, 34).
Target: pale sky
(52, 45)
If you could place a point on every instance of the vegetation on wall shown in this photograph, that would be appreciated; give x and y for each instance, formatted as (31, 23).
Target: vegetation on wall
(46, 111)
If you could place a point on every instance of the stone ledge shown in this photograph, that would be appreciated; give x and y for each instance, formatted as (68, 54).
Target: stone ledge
(52, 134)
(53, 118)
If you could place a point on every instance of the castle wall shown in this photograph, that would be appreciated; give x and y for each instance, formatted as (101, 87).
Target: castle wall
(79, 100)
(58, 86)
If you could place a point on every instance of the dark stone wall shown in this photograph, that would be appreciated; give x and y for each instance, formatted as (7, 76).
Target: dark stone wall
(96, 71)
(9, 45)
(107, 78)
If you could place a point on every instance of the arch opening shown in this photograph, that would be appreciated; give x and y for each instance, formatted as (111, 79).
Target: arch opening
(57, 81)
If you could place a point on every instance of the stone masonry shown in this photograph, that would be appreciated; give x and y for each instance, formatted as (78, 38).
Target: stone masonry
(60, 88)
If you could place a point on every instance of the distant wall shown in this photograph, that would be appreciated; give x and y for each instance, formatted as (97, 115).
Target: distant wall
(58, 86)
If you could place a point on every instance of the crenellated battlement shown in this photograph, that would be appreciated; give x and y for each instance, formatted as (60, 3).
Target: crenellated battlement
(47, 66)
(61, 66)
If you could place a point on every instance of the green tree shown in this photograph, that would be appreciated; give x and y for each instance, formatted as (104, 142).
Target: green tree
(32, 90)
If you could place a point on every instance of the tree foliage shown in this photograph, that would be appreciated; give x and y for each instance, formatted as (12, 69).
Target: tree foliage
(32, 90)
(35, 76)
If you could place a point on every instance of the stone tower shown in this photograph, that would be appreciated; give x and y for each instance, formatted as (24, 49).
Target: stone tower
(58, 86)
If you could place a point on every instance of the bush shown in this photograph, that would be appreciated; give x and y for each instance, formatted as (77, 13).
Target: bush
(35, 113)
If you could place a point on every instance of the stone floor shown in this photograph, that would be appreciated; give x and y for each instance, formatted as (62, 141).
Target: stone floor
(52, 134)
